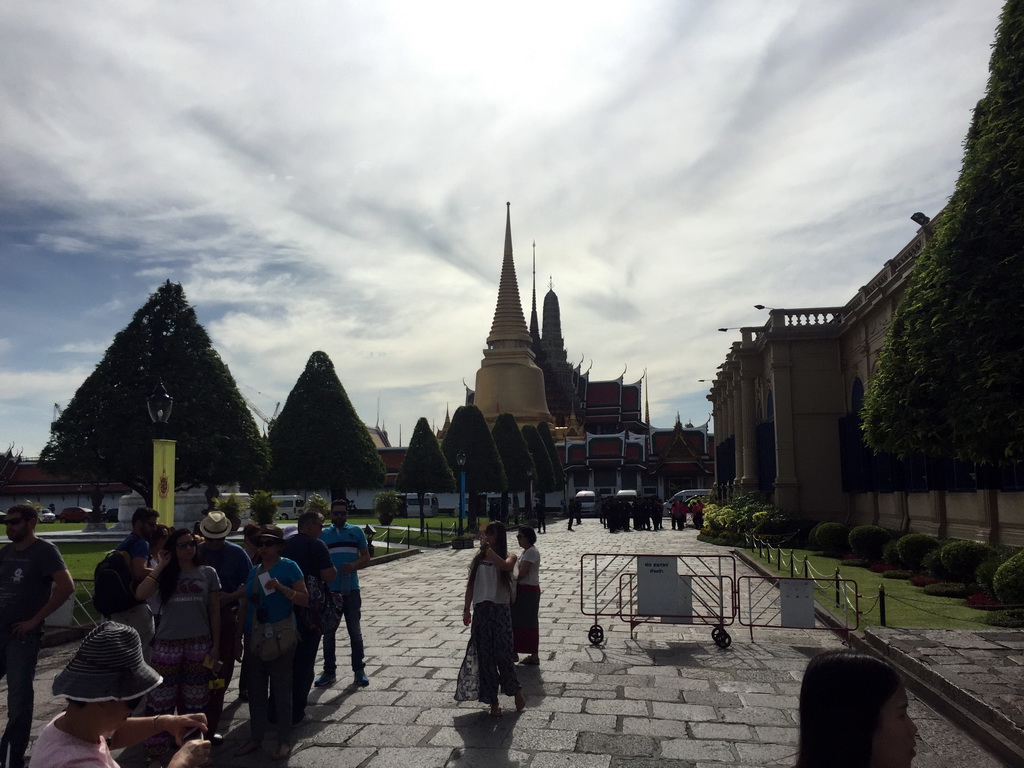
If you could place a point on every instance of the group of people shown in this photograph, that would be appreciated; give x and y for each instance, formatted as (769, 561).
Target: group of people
(852, 711)
(202, 603)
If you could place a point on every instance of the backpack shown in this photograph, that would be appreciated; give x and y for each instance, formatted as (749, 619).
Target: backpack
(323, 614)
(113, 589)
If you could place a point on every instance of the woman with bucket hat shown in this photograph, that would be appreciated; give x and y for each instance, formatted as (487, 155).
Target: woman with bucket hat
(104, 683)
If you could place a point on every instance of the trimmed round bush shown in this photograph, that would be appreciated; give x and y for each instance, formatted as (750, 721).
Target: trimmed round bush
(890, 554)
(1008, 582)
(960, 559)
(902, 575)
(985, 573)
(913, 548)
(867, 541)
(948, 589)
(932, 565)
(1013, 618)
(831, 537)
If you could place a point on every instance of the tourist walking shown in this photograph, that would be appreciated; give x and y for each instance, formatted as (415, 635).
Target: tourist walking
(34, 582)
(526, 607)
(137, 545)
(272, 589)
(488, 666)
(183, 650)
(313, 559)
(349, 552)
(232, 565)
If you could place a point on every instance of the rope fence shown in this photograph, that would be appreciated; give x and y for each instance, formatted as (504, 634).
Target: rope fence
(766, 550)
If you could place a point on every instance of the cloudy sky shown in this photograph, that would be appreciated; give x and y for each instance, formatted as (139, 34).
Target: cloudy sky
(333, 175)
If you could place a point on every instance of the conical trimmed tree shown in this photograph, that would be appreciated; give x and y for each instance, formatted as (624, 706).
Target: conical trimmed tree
(545, 482)
(515, 456)
(424, 469)
(105, 432)
(556, 461)
(318, 440)
(950, 379)
(468, 433)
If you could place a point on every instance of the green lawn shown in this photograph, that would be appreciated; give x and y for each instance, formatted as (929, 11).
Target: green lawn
(905, 604)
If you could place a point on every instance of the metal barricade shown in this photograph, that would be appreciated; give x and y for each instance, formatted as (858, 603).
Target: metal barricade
(704, 589)
(670, 589)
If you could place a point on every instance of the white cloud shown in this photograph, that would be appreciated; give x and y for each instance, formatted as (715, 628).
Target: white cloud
(332, 175)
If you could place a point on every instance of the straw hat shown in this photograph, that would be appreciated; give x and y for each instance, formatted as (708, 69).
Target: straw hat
(107, 667)
(215, 525)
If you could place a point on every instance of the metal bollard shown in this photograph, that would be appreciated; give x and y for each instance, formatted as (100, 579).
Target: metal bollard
(837, 588)
(807, 568)
(881, 604)
(792, 564)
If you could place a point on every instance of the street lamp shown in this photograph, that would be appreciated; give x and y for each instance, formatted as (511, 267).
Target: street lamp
(160, 404)
(461, 458)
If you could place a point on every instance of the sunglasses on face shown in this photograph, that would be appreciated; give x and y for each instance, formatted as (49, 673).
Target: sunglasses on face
(185, 544)
(267, 543)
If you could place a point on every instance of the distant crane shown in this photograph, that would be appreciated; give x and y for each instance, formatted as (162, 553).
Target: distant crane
(267, 420)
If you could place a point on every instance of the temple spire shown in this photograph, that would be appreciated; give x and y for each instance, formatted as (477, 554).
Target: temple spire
(509, 325)
(534, 325)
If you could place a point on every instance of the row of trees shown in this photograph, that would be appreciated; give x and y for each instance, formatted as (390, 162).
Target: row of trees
(317, 441)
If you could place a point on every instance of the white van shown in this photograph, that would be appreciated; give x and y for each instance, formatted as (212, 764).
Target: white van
(688, 495)
(587, 501)
(431, 505)
(289, 507)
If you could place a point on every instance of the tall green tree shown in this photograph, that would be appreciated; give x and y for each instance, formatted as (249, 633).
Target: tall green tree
(105, 432)
(545, 482)
(556, 460)
(424, 469)
(485, 473)
(318, 440)
(515, 456)
(950, 378)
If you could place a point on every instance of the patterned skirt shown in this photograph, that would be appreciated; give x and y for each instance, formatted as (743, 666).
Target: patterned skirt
(488, 666)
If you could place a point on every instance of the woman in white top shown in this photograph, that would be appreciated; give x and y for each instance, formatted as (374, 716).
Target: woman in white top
(489, 665)
(526, 608)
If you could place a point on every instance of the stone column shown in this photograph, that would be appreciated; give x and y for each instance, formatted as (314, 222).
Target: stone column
(787, 486)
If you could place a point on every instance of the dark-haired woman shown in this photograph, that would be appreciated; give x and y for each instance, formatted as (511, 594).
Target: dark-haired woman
(853, 714)
(272, 590)
(526, 608)
(489, 664)
(183, 649)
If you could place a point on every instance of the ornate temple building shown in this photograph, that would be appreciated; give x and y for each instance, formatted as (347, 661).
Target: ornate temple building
(607, 441)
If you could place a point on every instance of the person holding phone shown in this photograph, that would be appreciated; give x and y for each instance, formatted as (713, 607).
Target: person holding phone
(489, 665)
(183, 650)
(104, 683)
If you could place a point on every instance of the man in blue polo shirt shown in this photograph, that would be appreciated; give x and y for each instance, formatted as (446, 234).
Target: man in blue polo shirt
(349, 552)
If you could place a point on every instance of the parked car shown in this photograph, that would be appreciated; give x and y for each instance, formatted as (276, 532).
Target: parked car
(74, 514)
(110, 516)
(46, 516)
(587, 501)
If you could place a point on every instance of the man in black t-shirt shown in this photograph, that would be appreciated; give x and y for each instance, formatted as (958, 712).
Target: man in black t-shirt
(311, 555)
(34, 582)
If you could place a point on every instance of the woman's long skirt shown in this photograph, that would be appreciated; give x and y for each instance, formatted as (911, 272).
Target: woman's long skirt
(526, 619)
(488, 665)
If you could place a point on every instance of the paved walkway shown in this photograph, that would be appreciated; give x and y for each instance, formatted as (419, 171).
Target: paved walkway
(668, 698)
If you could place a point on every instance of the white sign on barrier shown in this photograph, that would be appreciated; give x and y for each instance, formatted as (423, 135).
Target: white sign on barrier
(797, 597)
(661, 591)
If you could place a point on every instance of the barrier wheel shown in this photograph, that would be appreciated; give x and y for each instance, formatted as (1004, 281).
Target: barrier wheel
(721, 637)
(596, 635)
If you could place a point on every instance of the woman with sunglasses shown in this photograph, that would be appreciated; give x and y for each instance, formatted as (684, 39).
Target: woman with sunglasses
(272, 591)
(183, 648)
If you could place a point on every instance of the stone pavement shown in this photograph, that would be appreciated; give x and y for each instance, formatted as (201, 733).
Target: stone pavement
(669, 698)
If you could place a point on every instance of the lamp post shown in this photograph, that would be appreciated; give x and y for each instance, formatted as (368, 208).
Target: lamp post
(160, 404)
(461, 458)
(529, 483)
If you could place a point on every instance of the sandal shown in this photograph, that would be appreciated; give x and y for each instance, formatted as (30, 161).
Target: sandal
(247, 748)
(520, 701)
(531, 661)
(495, 710)
(284, 751)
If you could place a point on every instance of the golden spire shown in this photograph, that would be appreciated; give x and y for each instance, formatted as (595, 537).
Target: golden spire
(509, 325)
